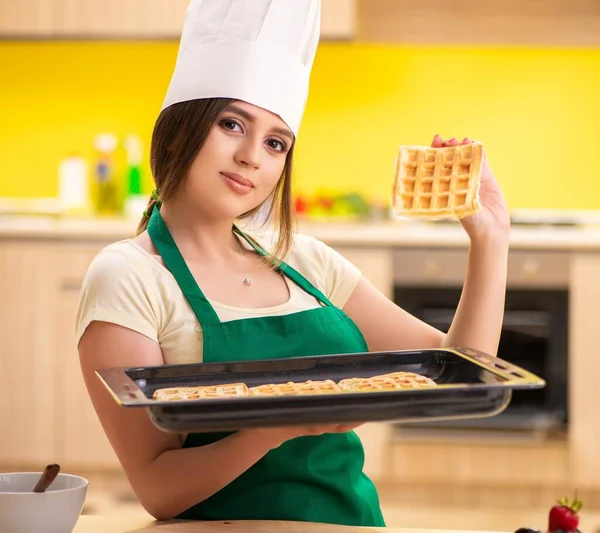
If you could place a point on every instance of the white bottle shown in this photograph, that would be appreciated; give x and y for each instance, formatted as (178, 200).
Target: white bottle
(73, 186)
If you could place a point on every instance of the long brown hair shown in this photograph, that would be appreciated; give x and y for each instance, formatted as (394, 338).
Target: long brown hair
(179, 133)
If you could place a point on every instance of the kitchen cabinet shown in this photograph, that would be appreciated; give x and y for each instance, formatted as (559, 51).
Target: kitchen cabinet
(27, 17)
(138, 19)
(82, 442)
(45, 404)
(473, 460)
(115, 18)
(551, 22)
(375, 264)
(27, 362)
(522, 22)
(529, 22)
(584, 368)
(90, 19)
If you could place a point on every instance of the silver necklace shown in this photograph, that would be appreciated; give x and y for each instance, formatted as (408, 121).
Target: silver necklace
(246, 280)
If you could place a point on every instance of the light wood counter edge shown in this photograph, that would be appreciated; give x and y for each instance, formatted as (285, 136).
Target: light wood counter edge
(384, 234)
(126, 524)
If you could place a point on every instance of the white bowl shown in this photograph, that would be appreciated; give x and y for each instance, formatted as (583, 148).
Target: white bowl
(54, 511)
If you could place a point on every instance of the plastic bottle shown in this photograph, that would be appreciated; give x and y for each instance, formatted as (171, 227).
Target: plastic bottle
(104, 172)
(73, 185)
(135, 202)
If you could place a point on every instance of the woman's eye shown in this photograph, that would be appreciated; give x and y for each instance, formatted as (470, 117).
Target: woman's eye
(230, 125)
(276, 145)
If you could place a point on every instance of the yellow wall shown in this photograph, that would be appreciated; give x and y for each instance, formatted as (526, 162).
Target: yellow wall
(536, 110)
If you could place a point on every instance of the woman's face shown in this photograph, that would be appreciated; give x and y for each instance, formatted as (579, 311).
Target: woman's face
(240, 163)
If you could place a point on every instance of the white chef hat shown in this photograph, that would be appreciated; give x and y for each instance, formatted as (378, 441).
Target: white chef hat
(258, 51)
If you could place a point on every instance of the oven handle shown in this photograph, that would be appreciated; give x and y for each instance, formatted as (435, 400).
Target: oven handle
(533, 323)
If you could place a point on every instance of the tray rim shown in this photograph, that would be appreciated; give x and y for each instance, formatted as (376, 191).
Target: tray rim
(128, 393)
(178, 421)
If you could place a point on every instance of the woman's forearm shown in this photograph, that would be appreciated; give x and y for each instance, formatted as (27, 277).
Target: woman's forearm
(478, 320)
(178, 479)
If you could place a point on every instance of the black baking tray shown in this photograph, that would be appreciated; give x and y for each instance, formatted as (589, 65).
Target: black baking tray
(470, 384)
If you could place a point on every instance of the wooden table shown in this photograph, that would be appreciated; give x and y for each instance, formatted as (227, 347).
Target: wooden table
(124, 524)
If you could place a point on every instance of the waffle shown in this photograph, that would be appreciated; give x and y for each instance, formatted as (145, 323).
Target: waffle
(290, 388)
(229, 390)
(386, 382)
(436, 183)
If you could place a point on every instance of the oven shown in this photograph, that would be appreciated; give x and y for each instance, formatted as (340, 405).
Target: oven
(428, 284)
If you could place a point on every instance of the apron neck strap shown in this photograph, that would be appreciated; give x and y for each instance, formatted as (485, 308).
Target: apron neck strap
(288, 271)
(167, 248)
(174, 261)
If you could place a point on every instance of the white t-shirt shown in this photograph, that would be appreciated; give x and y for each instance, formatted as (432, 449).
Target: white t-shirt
(126, 285)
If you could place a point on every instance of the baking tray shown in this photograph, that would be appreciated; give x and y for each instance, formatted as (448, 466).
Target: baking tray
(470, 384)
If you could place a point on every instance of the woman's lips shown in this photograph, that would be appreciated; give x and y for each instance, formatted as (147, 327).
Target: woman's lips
(237, 183)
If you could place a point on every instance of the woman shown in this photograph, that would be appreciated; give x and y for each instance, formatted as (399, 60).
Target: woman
(192, 287)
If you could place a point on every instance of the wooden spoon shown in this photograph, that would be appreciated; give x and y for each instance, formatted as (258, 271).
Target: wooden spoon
(48, 476)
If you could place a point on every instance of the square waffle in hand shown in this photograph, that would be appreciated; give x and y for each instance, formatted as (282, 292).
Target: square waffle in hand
(229, 390)
(304, 388)
(436, 183)
(387, 382)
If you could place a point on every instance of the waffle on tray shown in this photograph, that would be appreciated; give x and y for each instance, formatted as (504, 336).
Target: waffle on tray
(304, 388)
(386, 382)
(228, 390)
(436, 183)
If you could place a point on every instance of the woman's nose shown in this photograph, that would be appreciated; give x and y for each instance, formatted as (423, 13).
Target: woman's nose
(248, 153)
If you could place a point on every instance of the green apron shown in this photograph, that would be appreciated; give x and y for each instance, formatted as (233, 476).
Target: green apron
(312, 478)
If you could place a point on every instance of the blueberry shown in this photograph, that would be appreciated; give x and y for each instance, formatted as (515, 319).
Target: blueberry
(528, 530)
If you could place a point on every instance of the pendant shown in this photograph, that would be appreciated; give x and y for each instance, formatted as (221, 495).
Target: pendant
(248, 281)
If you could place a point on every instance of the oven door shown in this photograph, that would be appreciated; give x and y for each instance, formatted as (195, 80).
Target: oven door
(534, 337)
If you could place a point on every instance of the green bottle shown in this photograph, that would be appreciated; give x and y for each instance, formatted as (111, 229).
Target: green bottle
(135, 202)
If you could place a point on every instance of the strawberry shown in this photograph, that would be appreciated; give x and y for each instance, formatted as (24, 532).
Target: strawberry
(564, 516)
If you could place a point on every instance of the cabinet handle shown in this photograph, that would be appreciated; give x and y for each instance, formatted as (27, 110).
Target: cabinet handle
(70, 285)
(531, 268)
(432, 269)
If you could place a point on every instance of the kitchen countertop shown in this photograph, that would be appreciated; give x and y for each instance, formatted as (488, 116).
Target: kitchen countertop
(385, 234)
(120, 524)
